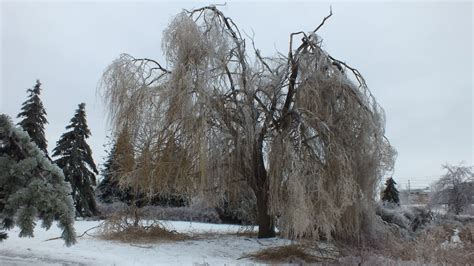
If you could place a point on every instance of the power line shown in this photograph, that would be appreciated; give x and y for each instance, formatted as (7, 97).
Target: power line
(422, 177)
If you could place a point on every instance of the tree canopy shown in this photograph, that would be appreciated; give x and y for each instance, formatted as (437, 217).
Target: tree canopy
(390, 193)
(74, 157)
(455, 188)
(31, 186)
(109, 189)
(33, 117)
(301, 132)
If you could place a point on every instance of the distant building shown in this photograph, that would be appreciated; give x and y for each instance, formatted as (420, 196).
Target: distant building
(415, 196)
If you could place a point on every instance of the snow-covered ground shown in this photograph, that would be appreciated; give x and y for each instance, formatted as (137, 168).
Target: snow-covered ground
(219, 247)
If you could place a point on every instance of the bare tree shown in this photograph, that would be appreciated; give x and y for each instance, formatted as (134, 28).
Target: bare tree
(455, 188)
(301, 132)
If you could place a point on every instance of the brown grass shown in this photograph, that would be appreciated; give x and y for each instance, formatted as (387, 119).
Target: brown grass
(427, 247)
(467, 234)
(295, 253)
(144, 235)
(118, 228)
(424, 248)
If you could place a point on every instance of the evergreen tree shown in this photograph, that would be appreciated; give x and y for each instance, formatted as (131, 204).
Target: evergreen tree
(34, 117)
(390, 193)
(109, 189)
(118, 167)
(31, 186)
(75, 158)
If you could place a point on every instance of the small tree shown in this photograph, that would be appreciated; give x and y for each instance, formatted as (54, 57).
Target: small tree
(75, 159)
(455, 188)
(109, 188)
(390, 193)
(118, 185)
(33, 117)
(31, 186)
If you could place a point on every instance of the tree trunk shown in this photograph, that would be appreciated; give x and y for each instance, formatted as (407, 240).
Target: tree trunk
(92, 204)
(136, 217)
(266, 228)
(135, 214)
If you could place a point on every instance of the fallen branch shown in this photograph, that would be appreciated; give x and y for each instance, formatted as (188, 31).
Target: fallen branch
(138, 246)
(85, 233)
(246, 256)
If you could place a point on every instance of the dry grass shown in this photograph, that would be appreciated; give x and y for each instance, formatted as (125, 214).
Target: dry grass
(294, 254)
(144, 235)
(426, 247)
(430, 245)
(118, 228)
(467, 233)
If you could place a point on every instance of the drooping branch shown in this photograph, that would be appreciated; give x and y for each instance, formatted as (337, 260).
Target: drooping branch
(144, 62)
(306, 141)
(147, 60)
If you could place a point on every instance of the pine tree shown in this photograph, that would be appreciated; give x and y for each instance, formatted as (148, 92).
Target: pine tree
(31, 186)
(106, 188)
(109, 189)
(117, 168)
(75, 159)
(34, 117)
(390, 193)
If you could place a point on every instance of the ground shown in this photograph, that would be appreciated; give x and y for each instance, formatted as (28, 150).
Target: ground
(220, 246)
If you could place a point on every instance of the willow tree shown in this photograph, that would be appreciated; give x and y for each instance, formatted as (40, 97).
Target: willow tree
(302, 133)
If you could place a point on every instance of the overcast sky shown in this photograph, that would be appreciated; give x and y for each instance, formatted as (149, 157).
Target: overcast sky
(416, 58)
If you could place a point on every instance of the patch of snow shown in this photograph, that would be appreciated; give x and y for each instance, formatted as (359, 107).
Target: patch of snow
(218, 247)
(454, 241)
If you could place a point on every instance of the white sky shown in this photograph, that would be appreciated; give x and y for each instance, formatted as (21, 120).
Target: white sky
(416, 58)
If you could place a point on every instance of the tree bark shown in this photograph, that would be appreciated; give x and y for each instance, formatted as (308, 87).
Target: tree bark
(266, 227)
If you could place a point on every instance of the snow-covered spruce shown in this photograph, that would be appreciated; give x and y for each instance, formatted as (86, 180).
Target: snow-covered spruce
(74, 157)
(114, 186)
(31, 186)
(119, 159)
(33, 117)
(390, 194)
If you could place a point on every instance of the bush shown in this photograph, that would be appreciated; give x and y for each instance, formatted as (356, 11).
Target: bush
(408, 218)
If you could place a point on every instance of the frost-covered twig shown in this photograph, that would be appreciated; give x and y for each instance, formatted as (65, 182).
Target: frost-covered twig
(83, 234)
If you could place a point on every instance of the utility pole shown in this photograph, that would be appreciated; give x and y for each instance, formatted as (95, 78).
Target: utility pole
(409, 193)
